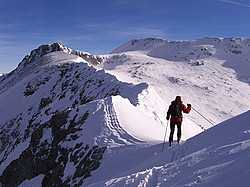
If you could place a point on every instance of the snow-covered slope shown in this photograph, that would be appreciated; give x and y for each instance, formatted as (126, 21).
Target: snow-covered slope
(211, 73)
(71, 118)
(216, 157)
(38, 58)
(59, 114)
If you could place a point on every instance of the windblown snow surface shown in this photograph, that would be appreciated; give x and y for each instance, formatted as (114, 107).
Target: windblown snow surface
(216, 157)
(70, 118)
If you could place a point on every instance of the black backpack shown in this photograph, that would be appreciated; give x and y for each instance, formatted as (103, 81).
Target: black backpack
(176, 110)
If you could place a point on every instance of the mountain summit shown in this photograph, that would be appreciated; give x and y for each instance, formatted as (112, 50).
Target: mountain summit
(45, 49)
(70, 118)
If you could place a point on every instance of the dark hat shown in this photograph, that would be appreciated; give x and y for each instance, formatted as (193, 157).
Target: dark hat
(178, 98)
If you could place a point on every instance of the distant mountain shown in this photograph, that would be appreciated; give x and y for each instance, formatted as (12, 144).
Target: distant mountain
(71, 118)
(234, 51)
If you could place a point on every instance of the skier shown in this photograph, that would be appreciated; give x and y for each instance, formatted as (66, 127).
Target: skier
(175, 111)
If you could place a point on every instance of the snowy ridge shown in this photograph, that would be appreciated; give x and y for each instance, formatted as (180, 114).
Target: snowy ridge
(62, 115)
(46, 49)
(72, 118)
(41, 56)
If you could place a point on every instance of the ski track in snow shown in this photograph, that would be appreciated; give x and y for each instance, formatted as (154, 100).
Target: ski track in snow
(188, 165)
(114, 125)
(163, 175)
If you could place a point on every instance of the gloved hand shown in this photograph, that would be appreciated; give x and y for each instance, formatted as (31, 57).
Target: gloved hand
(167, 118)
(189, 105)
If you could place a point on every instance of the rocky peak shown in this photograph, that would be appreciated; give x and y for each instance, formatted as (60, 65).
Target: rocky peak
(45, 49)
(35, 59)
(41, 51)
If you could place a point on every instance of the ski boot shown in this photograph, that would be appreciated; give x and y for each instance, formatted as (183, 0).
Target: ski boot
(170, 143)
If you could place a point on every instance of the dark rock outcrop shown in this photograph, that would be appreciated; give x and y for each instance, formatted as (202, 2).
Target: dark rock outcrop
(50, 159)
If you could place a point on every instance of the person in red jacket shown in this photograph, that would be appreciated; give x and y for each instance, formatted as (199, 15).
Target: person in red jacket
(175, 112)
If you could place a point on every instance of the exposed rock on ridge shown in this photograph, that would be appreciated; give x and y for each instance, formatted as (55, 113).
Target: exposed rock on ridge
(31, 62)
(45, 49)
(58, 105)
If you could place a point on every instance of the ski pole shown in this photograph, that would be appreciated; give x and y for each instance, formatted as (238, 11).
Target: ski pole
(164, 137)
(203, 116)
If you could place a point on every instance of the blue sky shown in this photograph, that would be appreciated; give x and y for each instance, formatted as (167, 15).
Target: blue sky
(99, 26)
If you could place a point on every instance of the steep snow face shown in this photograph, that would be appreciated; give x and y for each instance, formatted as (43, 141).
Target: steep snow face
(216, 157)
(211, 73)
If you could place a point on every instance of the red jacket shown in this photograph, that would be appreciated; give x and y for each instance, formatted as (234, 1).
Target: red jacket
(178, 119)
